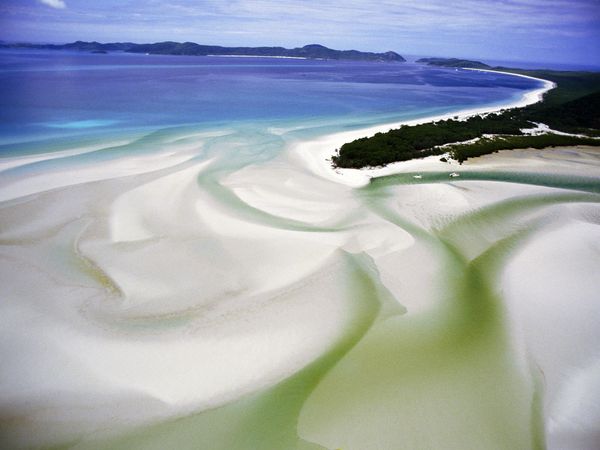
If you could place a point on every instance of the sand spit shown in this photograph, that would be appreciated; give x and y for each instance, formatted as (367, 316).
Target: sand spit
(317, 154)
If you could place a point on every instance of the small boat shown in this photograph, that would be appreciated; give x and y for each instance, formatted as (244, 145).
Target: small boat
(454, 175)
(418, 176)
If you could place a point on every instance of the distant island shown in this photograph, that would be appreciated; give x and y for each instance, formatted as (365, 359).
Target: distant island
(454, 62)
(312, 51)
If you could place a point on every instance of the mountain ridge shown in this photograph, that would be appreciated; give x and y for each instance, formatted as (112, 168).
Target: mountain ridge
(310, 51)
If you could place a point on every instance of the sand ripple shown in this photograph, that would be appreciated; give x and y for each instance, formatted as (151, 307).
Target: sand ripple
(264, 303)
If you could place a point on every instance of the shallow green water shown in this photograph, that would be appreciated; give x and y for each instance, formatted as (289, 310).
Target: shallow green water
(571, 182)
(268, 419)
(447, 378)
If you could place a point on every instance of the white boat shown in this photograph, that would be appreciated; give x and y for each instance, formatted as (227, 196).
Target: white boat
(418, 176)
(454, 175)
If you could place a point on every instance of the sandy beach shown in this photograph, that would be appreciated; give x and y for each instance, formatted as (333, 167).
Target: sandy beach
(160, 300)
(317, 154)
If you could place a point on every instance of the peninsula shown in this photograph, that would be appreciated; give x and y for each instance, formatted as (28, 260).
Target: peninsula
(311, 51)
(568, 115)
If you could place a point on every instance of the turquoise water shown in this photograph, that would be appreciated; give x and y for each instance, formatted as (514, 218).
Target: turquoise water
(112, 263)
(57, 94)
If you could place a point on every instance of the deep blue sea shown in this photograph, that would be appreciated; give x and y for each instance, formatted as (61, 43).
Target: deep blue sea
(49, 94)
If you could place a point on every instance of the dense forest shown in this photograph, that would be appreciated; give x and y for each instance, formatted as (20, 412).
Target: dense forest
(572, 107)
(485, 145)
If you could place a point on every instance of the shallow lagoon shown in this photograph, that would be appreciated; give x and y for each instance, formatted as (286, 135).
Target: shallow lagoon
(175, 276)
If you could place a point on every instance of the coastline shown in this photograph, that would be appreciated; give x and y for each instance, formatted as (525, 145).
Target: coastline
(167, 283)
(259, 56)
(316, 154)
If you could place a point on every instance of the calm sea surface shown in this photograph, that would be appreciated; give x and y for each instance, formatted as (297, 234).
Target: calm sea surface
(46, 94)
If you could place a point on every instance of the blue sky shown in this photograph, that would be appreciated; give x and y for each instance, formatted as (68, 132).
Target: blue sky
(527, 30)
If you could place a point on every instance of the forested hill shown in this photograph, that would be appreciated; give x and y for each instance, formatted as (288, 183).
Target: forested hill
(454, 62)
(312, 51)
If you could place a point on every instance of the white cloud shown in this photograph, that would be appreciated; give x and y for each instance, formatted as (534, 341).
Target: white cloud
(57, 4)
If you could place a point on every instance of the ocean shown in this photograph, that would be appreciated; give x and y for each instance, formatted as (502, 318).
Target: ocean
(57, 94)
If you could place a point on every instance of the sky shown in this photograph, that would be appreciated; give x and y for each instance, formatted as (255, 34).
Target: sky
(511, 30)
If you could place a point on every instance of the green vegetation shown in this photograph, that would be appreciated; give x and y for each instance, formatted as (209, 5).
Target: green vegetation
(572, 107)
(408, 142)
(570, 85)
(483, 146)
(454, 62)
(576, 116)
